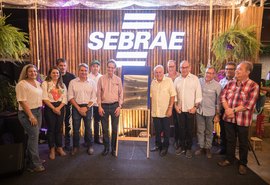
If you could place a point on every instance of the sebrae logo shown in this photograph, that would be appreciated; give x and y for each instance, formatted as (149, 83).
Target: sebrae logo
(132, 46)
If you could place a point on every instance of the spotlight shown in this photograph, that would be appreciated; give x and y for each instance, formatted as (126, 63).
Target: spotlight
(242, 9)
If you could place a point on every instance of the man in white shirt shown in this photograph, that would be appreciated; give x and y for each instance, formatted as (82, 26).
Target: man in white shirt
(162, 94)
(188, 97)
(82, 96)
(95, 75)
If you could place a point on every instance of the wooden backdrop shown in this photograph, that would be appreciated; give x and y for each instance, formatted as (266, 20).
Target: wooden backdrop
(65, 33)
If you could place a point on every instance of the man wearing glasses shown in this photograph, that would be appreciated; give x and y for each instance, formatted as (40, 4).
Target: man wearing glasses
(229, 75)
(188, 97)
(208, 111)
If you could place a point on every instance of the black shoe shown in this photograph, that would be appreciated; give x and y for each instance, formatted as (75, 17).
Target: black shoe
(68, 148)
(98, 142)
(105, 152)
(154, 149)
(90, 150)
(163, 152)
(113, 153)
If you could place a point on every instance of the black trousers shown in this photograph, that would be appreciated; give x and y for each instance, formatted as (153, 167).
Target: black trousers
(67, 124)
(97, 119)
(162, 125)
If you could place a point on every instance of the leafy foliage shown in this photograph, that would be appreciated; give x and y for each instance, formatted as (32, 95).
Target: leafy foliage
(12, 41)
(8, 97)
(236, 44)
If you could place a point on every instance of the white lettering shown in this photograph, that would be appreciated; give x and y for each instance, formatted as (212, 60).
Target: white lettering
(126, 40)
(160, 40)
(111, 40)
(95, 40)
(176, 40)
(142, 38)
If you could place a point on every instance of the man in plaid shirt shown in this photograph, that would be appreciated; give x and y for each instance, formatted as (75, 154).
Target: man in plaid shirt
(238, 99)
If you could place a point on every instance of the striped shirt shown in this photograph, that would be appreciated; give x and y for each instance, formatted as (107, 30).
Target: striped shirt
(245, 94)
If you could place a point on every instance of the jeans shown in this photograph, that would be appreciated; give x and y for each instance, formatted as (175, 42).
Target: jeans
(67, 124)
(205, 129)
(33, 134)
(55, 125)
(185, 126)
(109, 110)
(76, 123)
(97, 119)
(232, 132)
(162, 125)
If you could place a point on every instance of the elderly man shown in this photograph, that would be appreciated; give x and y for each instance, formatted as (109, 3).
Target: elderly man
(110, 99)
(67, 77)
(95, 75)
(229, 74)
(188, 97)
(208, 111)
(162, 94)
(173, 74)
(82, 96)
(238, 99)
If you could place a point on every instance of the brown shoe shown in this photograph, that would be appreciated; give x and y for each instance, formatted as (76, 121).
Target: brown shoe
(224, 163)
(208, 153)
(74, 151)
(60, 151)
(52, 153)
(199, 151)
(242, 169)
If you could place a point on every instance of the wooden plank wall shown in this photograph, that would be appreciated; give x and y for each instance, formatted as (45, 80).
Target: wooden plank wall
(65, 33)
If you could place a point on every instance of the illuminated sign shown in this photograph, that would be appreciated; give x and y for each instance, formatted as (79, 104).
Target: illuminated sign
(132, 47)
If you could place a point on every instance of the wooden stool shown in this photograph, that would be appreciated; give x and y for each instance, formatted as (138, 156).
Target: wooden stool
(256, 143)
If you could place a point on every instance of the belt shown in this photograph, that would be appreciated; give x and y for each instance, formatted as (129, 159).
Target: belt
(83, 105)
(109, 103)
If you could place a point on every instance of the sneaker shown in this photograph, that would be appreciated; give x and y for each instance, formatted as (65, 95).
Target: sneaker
(179, 151)
(188, 154)
(154, 149)
(208, 153)
(242, 169)
(163, 152)
(199, 151)
(90, 150)
(224, 163)
(36, 169)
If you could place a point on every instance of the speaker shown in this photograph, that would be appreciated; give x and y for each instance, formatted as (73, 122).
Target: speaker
(256, 74)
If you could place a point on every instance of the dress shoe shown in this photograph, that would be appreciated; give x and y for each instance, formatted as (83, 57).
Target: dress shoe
(224, 163)
(90, 150)
(74, 151)
(113, 153)
(163, 152)
(36, 169)
(105, 152)
(67, 148)
(208, 153)
(52, 153)
(154, 149)
(60, 151)
(97, 141)
(242, 169)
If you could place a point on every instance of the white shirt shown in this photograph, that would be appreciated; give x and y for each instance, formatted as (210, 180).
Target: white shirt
(161, 93)
(188, 91)
(82, 91)
(51, 93)
(95, 78)
(27, 92)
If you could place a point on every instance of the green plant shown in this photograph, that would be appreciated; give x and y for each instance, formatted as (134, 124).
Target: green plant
(12, 42)
(8, 97)
(236, 44)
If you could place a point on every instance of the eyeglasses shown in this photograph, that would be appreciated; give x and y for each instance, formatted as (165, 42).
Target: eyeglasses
(229, 69)
(184, 67)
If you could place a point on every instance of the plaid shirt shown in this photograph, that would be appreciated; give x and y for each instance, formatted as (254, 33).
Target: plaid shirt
(245, 94)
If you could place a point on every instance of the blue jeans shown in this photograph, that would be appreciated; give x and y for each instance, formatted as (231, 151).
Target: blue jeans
(33, 134)
(109, 110)
(76, 123)
(205, 127)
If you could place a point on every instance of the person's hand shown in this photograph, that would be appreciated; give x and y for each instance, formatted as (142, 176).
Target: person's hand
(117, 111)
(82, 111)
(216, 118)
(192, 111)
(229, 113)
(169, 112)
(101, 111)
(178, 109)
(57, 111)
(33, 121)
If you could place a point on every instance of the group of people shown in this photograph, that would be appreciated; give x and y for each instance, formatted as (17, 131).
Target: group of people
(65, 96)
(184, 97)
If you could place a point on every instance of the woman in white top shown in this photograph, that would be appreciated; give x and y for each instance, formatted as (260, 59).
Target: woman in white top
(29, 96)
(55, 98)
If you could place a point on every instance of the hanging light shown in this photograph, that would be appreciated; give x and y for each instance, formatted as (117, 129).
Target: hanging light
(242, 9)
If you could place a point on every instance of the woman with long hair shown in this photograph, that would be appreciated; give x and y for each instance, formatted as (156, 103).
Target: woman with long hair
(55, 98)
(29, 96)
